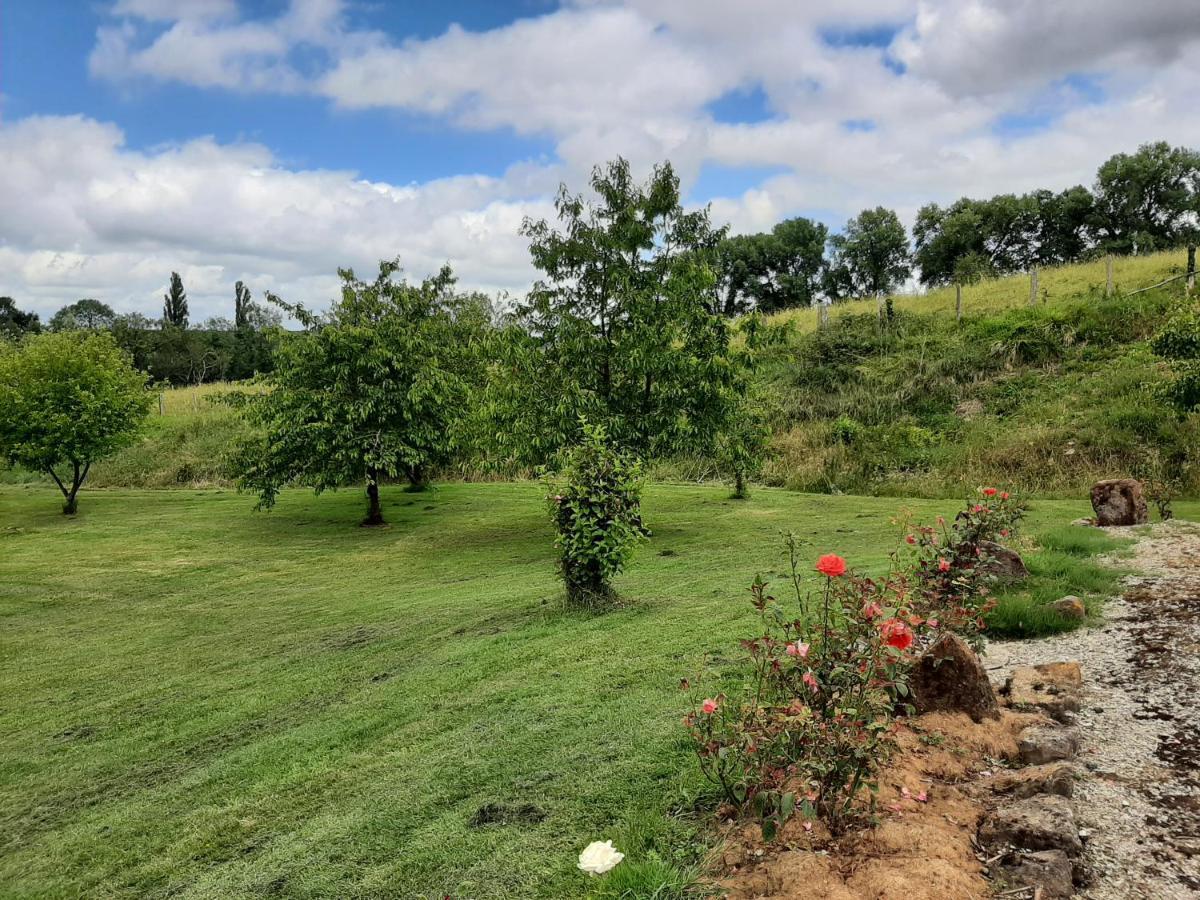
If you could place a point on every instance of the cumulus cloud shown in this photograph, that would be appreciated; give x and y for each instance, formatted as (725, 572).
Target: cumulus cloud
(102, 220)
(927, 84)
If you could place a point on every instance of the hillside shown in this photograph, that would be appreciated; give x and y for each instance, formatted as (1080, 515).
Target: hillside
(1045, 398)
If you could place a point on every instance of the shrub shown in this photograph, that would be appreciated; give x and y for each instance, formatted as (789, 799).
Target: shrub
(597, 515)
(814, 724)
(950, 564)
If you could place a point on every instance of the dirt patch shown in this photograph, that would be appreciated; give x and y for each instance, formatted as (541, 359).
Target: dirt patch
(507, 814)
(931, 798)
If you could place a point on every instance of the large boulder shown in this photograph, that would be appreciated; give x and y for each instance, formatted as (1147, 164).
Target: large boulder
(1119, 501)
(1001, 562)
(950, 678)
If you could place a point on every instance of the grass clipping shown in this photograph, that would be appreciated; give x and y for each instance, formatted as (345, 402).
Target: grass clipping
(930, 804)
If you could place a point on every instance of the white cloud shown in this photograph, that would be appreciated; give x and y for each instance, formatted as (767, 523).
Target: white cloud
(599, 78)
(101, 220)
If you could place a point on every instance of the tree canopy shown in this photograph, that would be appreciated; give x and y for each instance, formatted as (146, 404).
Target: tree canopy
(622, 330)
(1148, 200)
(86, 315)
(375, 388)
(14, 322)
(870, 256)
(66, 400)
(772, 270)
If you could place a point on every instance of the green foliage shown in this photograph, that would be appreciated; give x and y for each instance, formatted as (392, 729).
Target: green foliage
(175, 307)
(14, 322)
(83, 315)
(870, 256)
(1148, 200)
(377, 387)
(595, 503)
(620, 331)
(68, 399)
(773, 270)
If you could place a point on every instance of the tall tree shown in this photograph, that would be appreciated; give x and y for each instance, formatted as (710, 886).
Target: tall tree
(1148, 200)
(175, 307)
(621, 330)
(374, 388)
(241, 306)
(871, 255)
(66, 400)
(772, 270)
(83, 315)
(14, 322)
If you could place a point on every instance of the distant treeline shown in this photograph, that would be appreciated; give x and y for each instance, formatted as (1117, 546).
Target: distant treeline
(1140, 202)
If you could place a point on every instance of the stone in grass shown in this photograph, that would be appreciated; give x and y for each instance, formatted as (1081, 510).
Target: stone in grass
(1119, 501)
(1053, 687)
(1052, 778)
(1039, 745)
(1044, 822)
(950, 678)
(1002, 563)
(1070, 608)
(1048, 870)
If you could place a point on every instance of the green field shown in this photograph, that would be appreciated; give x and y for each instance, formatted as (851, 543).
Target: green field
(197, 700)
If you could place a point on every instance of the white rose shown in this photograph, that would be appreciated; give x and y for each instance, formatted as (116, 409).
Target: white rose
(599, 856)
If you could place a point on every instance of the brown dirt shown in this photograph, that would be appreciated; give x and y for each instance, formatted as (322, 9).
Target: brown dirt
(919, 850)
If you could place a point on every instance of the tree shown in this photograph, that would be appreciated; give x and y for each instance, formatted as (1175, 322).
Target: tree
(175, 307)
(83, 315)
(374, 388)
(1148, 200)
(620, 331)
(1064, 231)
(942, 234)
(773, 270)
(14, 322)
(68, 399)
(871, 255)
(241, 305)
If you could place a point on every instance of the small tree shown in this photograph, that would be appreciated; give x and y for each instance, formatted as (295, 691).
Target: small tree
(597, 515)
(175, 307)
(374, 388)
(68, 399)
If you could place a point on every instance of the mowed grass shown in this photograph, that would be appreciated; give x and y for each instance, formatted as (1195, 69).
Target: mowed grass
(198, 700)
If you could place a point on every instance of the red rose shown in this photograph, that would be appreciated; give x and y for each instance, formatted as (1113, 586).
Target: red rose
(896, 634)
(989, 492)
(831, 565)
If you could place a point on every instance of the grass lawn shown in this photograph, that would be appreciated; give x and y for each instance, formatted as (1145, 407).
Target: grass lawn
(198, 700)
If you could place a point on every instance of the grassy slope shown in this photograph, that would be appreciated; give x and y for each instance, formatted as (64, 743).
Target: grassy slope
(1045, 400)
(202, 701)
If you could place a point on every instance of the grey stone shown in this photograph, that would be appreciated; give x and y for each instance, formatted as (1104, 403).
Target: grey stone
(1044, 822)
(1040, 744)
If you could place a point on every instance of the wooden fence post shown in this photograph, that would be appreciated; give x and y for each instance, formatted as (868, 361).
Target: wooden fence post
(958, 301)
(822, 315)
(1108, 275)
(1191, 269)
(1033, 281)
(160, 403)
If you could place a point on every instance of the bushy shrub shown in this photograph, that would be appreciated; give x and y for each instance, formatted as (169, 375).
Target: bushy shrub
(814, 725)
(596, 506)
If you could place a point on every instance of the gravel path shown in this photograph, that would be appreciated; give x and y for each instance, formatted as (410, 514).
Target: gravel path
(1140, 719)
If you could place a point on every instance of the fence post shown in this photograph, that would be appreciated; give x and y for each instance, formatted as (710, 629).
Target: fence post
(958, 301)
(1108, 275)
(160, 403)
(1033, 281)
(1191, 269)
(822, 315)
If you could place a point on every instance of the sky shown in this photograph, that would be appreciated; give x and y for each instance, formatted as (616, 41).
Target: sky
(273, 141)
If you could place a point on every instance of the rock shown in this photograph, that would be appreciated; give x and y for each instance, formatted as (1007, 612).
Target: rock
(950, 678)
(1119, 501)
(1053, 687)
(1070, 608)
(1049, 870)
(1001, 562)
(1039, 745)
(1052, 778)
(1044, 822)
(1086, 523)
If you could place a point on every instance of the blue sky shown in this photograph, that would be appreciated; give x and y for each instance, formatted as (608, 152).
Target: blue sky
(273, 140)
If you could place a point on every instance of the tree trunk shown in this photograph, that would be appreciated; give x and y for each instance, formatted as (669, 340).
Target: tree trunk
(418, 479)
(71, 494)
(739, 485)
(374, 510)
